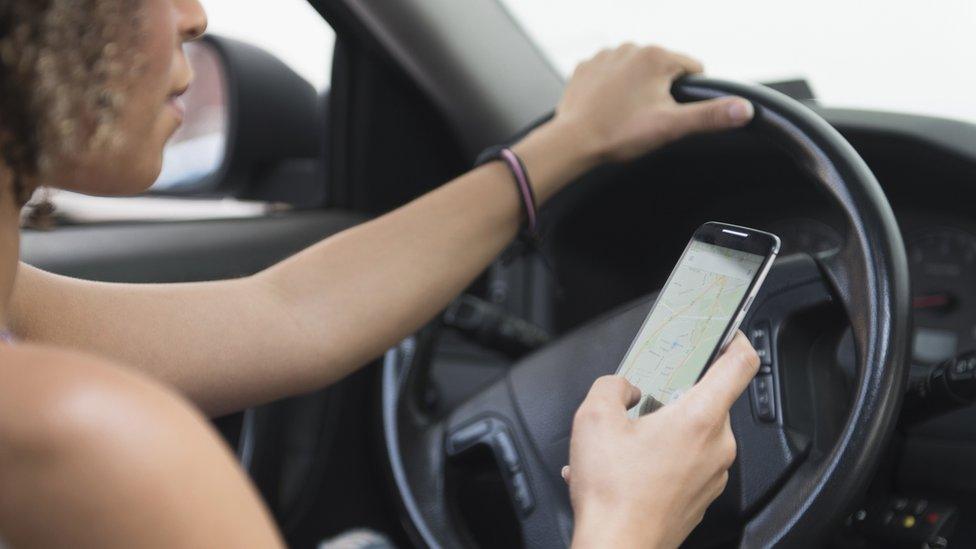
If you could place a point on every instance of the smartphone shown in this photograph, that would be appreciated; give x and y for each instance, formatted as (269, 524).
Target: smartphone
(698, 312)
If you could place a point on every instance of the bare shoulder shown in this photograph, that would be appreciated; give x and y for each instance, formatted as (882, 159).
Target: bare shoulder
(29, 371)
(117, 458)
(46, 392)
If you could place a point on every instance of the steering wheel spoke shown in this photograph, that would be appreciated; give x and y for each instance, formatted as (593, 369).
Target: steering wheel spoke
(430, 458)
(769, 448)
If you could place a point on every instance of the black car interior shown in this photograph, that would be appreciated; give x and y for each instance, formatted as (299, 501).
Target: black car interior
(454, 438)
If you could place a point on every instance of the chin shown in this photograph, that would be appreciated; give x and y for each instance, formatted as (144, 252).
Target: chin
(127, 187)
(123, 178)
(139, 183)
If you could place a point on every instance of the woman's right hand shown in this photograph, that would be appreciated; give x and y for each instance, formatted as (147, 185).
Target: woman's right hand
(647, 482)
(620, 101)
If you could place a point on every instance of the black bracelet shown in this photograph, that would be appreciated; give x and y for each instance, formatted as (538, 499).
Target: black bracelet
(529, 236)
(522, 183)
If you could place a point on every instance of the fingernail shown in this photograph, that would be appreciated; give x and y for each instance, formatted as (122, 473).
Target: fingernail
(741, 111)
(564, 472)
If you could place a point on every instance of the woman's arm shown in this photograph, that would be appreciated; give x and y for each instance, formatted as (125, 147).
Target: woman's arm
(314, 318)
(311, 319)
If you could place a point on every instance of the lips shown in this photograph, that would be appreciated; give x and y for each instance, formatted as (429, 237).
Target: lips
(176, 102)
(178, 106)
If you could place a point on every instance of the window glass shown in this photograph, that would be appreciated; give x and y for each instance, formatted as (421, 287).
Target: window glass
(290, 29)
(900, 55)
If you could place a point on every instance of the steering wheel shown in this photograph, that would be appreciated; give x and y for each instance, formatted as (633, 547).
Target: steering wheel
(786, 489)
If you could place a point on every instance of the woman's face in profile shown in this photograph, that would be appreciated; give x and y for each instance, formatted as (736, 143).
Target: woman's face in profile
(151, 110)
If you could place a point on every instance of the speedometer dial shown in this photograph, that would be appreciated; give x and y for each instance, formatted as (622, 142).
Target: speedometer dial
(943, 269)
(805, 235)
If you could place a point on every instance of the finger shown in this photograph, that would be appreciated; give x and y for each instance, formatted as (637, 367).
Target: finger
(626, 48)
(614, 391)
(729, 449)
(687, 64)
(711, 115)
(579, 70)
(729, 376)
(602, 54)
(673, 64)
(565, 473)
(719, 484)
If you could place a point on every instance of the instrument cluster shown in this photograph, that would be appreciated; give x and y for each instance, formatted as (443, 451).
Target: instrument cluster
(942, 261)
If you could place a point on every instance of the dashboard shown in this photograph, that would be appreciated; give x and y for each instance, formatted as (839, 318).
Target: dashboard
(942, 261)
(616, 237)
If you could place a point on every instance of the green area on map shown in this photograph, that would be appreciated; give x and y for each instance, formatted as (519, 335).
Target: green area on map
(688, 320)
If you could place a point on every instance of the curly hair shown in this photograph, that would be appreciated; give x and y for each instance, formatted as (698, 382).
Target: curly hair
(63, 65)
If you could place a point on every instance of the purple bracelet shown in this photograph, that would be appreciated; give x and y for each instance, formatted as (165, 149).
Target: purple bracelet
(525, 189)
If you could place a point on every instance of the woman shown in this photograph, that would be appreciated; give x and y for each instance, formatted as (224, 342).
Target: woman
(101, 440)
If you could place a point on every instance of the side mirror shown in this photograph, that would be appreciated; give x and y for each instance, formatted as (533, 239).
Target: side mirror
(252, 128)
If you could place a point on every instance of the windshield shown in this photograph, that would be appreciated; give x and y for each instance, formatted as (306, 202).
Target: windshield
(896, 55)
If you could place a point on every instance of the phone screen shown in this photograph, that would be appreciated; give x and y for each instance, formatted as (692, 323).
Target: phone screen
(691, 315)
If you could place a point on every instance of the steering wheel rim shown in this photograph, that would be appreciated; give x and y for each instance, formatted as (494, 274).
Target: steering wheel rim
(868, 275)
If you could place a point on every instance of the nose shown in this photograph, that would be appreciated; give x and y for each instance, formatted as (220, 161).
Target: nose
(192, 19)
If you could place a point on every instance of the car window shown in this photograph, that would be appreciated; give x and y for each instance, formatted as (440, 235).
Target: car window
(900, 55)
(290, 29)
(293, 32)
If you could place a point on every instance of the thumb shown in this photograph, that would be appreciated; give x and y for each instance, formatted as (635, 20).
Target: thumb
(730, 375)
(712, 115)
(614, 392)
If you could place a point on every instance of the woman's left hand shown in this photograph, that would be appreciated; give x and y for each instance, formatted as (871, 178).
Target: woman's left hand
(620, 102)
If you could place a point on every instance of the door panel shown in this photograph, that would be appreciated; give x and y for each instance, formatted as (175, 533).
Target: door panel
(183, 251)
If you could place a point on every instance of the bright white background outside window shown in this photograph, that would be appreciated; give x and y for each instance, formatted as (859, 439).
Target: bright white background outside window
(290, 29)
(901, 55)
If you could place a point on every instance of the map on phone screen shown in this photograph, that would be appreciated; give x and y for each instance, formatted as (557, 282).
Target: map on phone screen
(687, 322)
